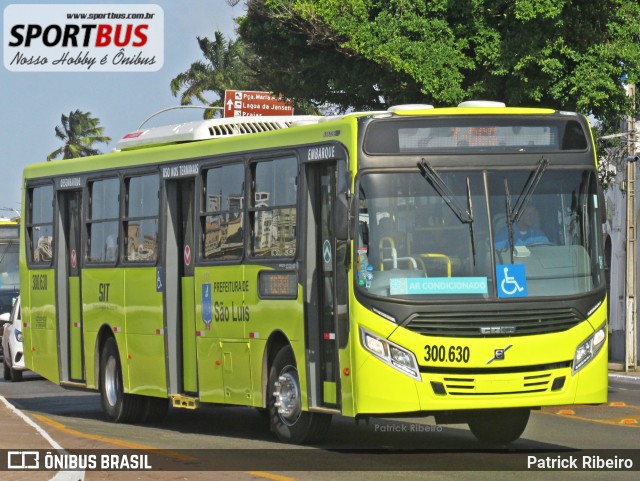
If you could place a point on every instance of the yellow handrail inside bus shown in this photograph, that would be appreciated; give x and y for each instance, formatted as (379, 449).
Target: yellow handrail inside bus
(440, 257)
(392, 250)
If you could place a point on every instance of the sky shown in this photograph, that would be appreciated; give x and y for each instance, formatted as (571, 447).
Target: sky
(31, 103)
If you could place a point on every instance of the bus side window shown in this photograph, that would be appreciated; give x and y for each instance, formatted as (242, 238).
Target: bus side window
(273, 213)
(104, 212)
(223, 217)
(111, 248)
(43, 252)
(40, 224)
(141, 218)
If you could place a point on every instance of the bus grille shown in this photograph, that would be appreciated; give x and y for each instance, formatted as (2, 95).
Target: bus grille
(497, 381)
(470, 386)
(495, 323)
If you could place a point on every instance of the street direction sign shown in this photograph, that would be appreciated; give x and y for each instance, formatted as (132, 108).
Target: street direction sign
(248, 103)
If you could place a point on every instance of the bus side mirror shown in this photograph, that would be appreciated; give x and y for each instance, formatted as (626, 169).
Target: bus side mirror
(342, 217)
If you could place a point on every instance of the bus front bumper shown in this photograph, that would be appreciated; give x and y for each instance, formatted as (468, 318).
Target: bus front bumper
(380, 389)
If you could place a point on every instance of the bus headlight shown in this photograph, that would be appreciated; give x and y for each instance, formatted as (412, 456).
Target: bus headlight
(589, 348)
(391, 354)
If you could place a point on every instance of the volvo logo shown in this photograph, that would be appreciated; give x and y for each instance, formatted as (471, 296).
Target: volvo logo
(496, 330)
(498, 355)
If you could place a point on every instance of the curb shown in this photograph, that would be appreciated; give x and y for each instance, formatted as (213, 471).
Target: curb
(624, 378)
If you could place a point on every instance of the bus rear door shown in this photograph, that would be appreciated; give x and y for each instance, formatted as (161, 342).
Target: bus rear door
(178, 264)
(69, 311)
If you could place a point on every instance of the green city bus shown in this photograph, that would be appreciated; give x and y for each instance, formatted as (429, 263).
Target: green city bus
(368, 264)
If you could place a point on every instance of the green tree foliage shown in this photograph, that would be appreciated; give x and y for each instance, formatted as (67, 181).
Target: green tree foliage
(226, 67)
(369, 54)
(79, 132)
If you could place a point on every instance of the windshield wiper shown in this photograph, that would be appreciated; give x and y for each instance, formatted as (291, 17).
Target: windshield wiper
(507, 207)
(523, 199)
(464, 215)
(444, 191)
(528, 189)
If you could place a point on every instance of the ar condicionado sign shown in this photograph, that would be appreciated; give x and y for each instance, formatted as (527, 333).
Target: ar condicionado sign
(244, 103)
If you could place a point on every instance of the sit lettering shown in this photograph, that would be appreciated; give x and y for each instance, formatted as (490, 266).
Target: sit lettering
(103, 292)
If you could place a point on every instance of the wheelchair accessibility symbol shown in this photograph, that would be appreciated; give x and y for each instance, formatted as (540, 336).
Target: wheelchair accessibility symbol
(512, 280)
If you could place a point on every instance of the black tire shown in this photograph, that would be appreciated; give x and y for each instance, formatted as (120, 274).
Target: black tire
(263, 417)
(499, 426)
(155, 409)
(11, 374)
(16, 375)
(7, 371)
(118, 406)
(284, 404)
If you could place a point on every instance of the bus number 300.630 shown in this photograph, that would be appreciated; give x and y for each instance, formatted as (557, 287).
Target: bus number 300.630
(437, 353)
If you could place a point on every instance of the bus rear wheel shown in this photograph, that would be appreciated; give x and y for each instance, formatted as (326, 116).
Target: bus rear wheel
(154, 409)
(287, 419)
(119, 407)
(499, 426)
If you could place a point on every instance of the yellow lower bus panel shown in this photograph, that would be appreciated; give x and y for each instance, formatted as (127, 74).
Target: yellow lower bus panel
(491, 383)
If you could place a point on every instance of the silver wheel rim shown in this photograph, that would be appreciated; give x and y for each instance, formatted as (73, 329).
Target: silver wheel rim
(287, 395)
(111, 381)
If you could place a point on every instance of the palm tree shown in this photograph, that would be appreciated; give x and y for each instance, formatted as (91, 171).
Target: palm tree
(225, 68)
(79, 131)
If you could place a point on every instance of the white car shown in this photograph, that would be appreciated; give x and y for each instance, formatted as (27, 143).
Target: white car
(12, 343)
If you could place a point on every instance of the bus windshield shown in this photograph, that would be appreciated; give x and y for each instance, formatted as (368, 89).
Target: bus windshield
(484, 235)
(9, 274)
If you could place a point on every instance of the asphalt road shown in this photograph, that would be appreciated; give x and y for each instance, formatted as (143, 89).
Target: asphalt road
(398, 449)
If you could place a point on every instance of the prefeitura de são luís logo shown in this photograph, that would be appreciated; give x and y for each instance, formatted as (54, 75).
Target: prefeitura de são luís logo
(83, 38)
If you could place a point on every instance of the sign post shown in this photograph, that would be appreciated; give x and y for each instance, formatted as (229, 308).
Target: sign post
(631, 351)
(247, 103)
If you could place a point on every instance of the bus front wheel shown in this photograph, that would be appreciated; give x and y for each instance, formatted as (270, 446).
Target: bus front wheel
(499, 426)
(287, 419)
(119, 407)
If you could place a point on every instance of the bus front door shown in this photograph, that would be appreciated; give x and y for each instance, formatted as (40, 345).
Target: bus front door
(326, 286)
(69, 315)
(178, 264)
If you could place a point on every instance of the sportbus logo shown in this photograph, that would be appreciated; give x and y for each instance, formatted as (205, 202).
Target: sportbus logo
(83, 38)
